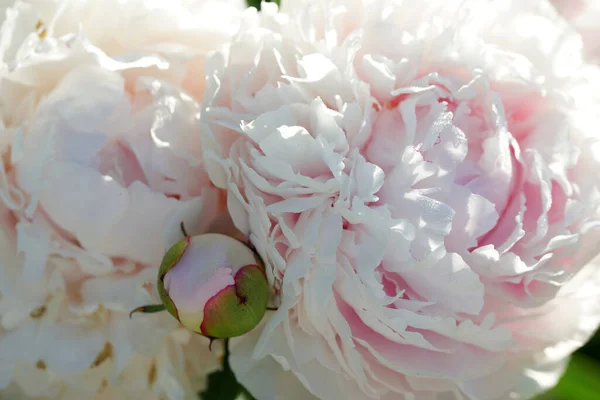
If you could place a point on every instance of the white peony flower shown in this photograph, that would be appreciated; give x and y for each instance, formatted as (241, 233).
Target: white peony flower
(420, 179)
(584, 15)
(101, 161)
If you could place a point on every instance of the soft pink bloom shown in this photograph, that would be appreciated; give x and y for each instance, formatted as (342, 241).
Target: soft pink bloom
(420, 178)
(101, 161)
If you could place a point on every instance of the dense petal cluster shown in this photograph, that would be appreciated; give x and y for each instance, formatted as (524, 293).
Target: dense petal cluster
(101, 162)
(417, 178)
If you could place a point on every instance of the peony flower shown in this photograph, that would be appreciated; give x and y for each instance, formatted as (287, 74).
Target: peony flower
(99, 122)
(584, 16)
(419, 178)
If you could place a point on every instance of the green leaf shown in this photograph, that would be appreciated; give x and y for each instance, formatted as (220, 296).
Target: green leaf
(222, 384)
(580, 382)
(256, 3)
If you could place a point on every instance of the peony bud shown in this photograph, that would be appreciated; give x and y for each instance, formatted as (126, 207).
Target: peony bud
(214, 285)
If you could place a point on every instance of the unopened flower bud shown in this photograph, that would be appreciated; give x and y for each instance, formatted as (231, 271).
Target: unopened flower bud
(214, 285)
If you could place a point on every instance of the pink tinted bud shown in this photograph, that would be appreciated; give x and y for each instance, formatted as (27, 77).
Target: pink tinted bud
(214, 285)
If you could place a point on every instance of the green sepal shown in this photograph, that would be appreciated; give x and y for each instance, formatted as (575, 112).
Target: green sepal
(239, 308)
(149, 309)
(170, 259)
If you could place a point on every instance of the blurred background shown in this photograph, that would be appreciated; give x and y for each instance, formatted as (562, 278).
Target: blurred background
(582, 379)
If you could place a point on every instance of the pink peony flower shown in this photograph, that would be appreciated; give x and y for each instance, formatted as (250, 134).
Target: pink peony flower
(419, 178)
(101, 161)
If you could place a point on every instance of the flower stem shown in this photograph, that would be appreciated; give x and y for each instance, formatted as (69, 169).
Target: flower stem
(226, 354)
